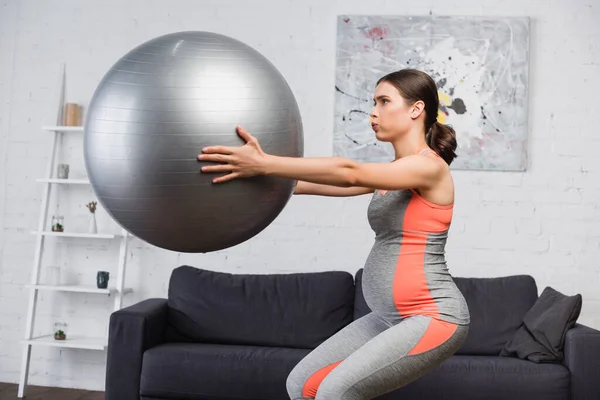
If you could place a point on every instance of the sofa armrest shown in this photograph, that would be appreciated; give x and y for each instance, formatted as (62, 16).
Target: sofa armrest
(582, 357)
(132, 330)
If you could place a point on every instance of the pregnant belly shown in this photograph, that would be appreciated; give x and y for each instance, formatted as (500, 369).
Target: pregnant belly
(395, 281)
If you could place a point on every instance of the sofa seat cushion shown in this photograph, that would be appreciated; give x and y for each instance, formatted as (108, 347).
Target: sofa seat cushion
(489, 378)
(297, 310)
(210, 371)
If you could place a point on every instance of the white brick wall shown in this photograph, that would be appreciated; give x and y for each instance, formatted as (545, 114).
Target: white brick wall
(544, 222)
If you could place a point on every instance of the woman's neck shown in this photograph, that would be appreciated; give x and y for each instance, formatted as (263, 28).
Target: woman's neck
(410, 144)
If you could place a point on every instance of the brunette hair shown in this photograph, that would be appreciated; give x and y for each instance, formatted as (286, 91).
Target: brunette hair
(415, 85)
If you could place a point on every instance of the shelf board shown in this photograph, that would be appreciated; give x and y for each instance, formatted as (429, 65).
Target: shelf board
(63, 128)
(77, 235)
(65, 181)
(79, 289)
(74, 342)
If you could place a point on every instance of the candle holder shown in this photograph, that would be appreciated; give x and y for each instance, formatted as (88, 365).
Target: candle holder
(62, 171)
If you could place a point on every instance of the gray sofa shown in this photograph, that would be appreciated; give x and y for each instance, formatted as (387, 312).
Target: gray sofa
(228, 336)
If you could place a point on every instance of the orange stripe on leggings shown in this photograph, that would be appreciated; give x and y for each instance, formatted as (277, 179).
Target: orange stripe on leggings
(437, 333)
(314, 381)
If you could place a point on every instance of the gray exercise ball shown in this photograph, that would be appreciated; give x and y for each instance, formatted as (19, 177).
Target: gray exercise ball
(152, 114)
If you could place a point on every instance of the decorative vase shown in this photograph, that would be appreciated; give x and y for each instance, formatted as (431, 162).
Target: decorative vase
(102, 279)
(71, 114)
(93, 227)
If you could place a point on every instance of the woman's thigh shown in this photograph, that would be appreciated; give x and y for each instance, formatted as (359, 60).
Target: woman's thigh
(392, 359)
(307, 375)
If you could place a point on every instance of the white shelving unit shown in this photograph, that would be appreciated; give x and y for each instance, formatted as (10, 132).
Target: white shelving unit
(76, 234)
(86, 343)
(62, 129)
(41, 233)
(65, 181)
(79, 289)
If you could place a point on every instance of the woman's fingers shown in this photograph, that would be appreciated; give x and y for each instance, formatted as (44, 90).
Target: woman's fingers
(217, 149)
(227, 156)
(215, 157)
(217, 168)
(226, 178)
(221, 168)
(244, 134)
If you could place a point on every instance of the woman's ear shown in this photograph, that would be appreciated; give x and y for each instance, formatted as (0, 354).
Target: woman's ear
(417, 109)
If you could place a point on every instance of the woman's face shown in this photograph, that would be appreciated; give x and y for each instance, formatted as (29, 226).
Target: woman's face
(391, 117)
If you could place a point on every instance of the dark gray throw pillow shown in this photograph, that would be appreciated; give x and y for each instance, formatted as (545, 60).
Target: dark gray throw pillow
(541, 336)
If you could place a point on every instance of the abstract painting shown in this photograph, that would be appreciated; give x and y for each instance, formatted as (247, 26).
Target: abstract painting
(480, 66)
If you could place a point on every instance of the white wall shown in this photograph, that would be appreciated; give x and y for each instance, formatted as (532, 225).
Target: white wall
(9, 321)
(544, 222)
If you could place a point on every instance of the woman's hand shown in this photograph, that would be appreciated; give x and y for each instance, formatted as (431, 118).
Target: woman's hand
(241, 162)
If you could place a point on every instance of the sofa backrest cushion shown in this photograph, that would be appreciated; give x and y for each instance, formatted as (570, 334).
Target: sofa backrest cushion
(298, 310)
(496, 307)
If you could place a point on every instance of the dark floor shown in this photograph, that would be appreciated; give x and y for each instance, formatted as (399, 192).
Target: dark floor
(8, 391)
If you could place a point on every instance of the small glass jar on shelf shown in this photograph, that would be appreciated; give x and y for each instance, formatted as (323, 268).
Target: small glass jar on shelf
(60, 330)
(57, 223)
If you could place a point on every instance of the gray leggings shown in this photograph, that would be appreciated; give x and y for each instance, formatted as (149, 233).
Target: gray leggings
(370, 357)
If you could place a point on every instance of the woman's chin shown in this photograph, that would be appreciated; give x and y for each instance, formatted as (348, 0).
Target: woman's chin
(379, 136)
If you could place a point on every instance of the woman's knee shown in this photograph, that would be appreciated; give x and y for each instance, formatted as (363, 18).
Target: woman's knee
(293, 384)
(338, 390)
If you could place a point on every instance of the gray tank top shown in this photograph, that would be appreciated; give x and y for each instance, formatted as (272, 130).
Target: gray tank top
(405, 273)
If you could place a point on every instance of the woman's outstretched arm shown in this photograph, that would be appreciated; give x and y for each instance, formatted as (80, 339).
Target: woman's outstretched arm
(250, 160)
(303, 187)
